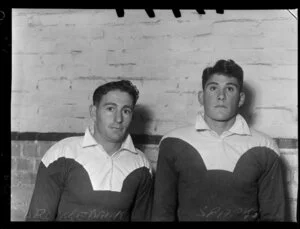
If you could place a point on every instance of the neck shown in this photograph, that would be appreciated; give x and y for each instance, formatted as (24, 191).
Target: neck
(219, 126)
(109, 147)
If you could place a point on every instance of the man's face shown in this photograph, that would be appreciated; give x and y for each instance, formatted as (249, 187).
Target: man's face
(112, 116)
(221, 98)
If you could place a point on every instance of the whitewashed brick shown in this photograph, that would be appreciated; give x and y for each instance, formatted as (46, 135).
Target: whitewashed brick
(15, 124)
(18, 75)
(79, 17)
(24, 111)
(236, 28)
(36, 46)
(277, 131)
(247, 15)
(34, 20)
(53, 85)
(87, 84)
(246, 56)
(146, 43)
(287, 115)
(72, 32)
(271, 121)
(163, 48)
(296, 176)
(106, 16)
(293, 209)
(17, 97)
(39, 72)
(78, 111)
(290, 160)
(50, 19)
(56, 59)
(74, 124)
(17, 43)
(289, 151)
(51, 124)
(107, 44)
(25, 82)
(67, 45)
(171, 28)
(18, 20)
(286, 26)
(265, 74)
(40, 11)
(105, 71)
(59, 97)
(292, 191)
(64, 32)
(267, 41)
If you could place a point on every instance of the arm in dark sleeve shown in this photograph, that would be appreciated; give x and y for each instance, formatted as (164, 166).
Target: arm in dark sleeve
(47, 191)
(143, 202)
(271, 192)
(165, 187)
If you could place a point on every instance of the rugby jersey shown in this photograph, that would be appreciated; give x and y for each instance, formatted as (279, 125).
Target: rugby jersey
(202, 176)
(78, 181)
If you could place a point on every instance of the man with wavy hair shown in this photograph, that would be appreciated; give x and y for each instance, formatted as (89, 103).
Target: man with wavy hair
(219, 169)
(100, 176)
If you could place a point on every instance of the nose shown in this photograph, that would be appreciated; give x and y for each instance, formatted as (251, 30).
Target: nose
(118, 117)
(221, 95)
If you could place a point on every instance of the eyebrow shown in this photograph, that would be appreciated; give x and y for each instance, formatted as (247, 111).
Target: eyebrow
(231, 84)
(114, 104)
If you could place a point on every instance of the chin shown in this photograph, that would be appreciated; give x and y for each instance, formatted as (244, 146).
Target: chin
(117, 138)
(223, 119)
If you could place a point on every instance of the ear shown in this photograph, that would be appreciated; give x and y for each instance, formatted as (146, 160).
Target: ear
(93, 111)
(200, 97)
(242, 98)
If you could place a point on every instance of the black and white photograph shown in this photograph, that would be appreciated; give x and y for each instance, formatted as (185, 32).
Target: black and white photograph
(154, 115)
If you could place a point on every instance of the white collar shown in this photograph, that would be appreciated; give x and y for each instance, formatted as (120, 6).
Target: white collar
(89, 140)
(240, 125)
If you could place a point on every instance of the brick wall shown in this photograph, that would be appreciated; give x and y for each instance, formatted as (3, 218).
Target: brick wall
(60, 56)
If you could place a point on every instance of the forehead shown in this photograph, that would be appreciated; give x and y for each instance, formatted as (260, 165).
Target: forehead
(222, 79)
(117, 97)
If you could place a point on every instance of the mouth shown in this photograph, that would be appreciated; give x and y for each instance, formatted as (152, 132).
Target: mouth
(116, 128)
(220, 106)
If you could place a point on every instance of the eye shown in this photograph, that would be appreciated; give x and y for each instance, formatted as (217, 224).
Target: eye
(212, 88)
(231, 89)
(127, 111)
(110, 108)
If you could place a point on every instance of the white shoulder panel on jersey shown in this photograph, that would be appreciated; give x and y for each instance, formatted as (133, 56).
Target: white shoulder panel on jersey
(221, 153)
(105, 172)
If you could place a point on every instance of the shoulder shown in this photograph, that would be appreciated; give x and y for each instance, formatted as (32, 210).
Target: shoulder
(176, 141)
(263, 140)
(143, 158)
(180, 133)
(63, 148)
(141, 161)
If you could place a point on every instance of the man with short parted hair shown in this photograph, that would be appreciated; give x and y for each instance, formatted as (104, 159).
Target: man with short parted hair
(100, 176)
(219, 169)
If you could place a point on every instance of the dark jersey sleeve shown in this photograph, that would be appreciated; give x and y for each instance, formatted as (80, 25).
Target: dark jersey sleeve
(142, 206)
(166, 178)
(271, 191)
(47, 191)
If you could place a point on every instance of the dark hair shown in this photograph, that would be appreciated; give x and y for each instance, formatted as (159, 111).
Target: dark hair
(224, 67)
(122, 85)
